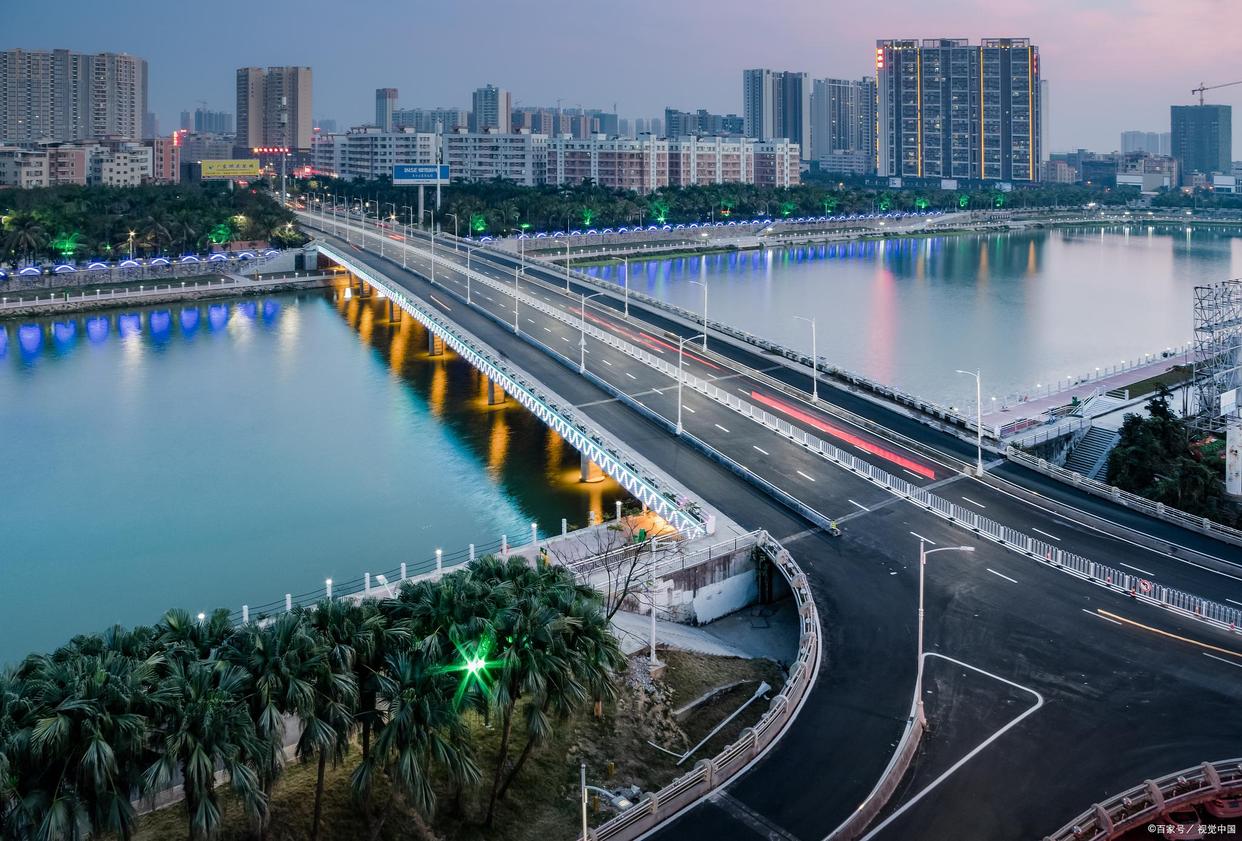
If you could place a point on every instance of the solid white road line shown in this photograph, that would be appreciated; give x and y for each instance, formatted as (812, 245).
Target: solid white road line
(804, 476)
(1001, 575)
(1039, 702)
(441, 303)
(920, 537)
(912, 473)
(859, 504)
(1223, 660)
(1045, 534)
(721, 428)
(1099, 616)
(1234, 601)
(1136, 569)
(761, 449)
(972, 502)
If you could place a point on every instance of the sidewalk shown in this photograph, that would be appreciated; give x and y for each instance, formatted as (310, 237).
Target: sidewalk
(757, 631)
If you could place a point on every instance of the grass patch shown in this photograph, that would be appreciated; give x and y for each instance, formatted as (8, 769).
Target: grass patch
(543, 802)
(1176, 375)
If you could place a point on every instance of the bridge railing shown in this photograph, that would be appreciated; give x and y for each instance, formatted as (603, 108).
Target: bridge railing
(708, 774)
(1203, 525)
(1149, 802)
(103, 297)
(581, 434)
(1220, 615)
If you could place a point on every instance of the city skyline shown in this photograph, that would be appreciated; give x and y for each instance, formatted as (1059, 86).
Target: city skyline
(1096, 92)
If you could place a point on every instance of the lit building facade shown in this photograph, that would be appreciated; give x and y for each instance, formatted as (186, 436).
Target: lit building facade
(949, 109)
(61, 95)
(843, 124)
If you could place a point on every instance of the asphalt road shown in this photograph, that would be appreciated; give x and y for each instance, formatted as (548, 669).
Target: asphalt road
(1120, 702)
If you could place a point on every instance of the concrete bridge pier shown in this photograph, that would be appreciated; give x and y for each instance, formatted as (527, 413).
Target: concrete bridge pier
(392, 311)
(435, 345)
(590, 470)
(495, 394)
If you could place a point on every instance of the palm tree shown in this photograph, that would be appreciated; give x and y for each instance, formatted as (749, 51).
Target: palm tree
(24, 235)
(282, 660)
(206, 726)
(188, 638)
(420, 732)
(89, 740)
(15, 707)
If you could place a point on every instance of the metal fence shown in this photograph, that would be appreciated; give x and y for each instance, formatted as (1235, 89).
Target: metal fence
(582, 435)
(1189, 605)
(1159, 510)
(101, 297)
(1149, 802)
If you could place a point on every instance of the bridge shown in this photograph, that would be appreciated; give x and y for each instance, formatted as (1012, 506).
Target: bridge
(1081, 644)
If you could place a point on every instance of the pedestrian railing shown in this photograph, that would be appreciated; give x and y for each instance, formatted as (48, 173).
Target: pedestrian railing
(106, 297)
(1149, 802)
(581, 434)
(1203, 525)
(656, 807)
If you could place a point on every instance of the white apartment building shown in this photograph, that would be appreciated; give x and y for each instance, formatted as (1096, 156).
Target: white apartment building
(23, 168)
(624, 163)
(369, 152)
(520, 158)
(127, 165)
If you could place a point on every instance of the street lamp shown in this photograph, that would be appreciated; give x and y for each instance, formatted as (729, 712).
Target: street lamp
(516, 327)
(468, 274)
(625, 286)
(433, 244)
(703, 283)
(978, 417)
(582, 336)
(681, 346)
(567, 262)
(131, 244)
(814, 357)
(454, 215)
(918, 680)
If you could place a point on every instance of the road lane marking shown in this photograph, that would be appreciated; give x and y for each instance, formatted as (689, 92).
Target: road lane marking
(1100, 615)
(1122, 619)
(924, 539)
(804, 476)
(606, 362)
(631, 376)
(1045, 534)
(972, 502)
(1223, 660)
(761, 449)
(1136, 569)
(564, 338)
(688, 409)
(547, 330)
(1039, 702)
(531, 320)
(1001, 575)
(721, 428)
(441, 303)
(912, 473)
(1234, 601)
(859, 504)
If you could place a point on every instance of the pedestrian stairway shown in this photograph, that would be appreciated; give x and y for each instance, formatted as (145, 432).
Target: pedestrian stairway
(1090, 455)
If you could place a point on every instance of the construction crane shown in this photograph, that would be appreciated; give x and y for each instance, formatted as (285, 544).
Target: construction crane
(1202, 87)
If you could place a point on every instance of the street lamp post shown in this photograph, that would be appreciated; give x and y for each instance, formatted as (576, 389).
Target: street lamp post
(814, 357)
(567, 262)
(626, 286)
(468, 274)
(582, 333)
(703, 283)
(681, 346)
(918, 679)
(433, 245)
(131, 244)
(516, 326)
(978, 418)
(454, 215)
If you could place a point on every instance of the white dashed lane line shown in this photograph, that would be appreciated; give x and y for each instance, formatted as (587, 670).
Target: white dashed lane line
(721, 428)
(804, 476)
(1001, 575)
(761, 449)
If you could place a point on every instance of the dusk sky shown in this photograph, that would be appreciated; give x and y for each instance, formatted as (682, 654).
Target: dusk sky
(1112, 64)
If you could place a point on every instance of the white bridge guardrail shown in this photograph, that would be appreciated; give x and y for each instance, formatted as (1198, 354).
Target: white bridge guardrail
(656, 807)
(1191, 606)
(1149, 802)
(101, 297)
(581, 435)
(1159, 510)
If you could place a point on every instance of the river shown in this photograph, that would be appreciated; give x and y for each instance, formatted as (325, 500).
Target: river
(218, 454)
(1025, 308)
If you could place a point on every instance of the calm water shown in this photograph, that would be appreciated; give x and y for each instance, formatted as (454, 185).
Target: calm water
(222, 454)
(1023, 307)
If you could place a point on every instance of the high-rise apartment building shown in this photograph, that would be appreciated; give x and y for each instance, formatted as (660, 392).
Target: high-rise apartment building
(492, 110)
(431, 120)
(949, 109)
(385, 105)
(701, 123)
(61, 95)
(274, 107)
(1147, 142)
(209, 122)
(777, 104)
(843, 125)
(1202, 139)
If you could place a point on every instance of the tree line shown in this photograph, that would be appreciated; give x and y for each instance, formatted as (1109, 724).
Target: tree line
(387, 685)
(74, 222)
(503, 207)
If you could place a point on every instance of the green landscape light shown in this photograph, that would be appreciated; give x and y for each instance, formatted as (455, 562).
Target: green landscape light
(963, 200)
(473, 667)
(587, 216)
(478, 223)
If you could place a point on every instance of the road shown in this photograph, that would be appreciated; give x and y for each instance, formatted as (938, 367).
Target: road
(992, 609)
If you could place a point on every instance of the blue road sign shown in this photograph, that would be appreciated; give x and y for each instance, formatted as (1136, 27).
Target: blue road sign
(406, 175)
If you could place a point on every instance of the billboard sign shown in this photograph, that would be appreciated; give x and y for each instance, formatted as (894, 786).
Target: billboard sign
(244, 168)
(416, 175)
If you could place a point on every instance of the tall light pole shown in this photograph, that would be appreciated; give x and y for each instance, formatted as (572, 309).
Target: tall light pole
(814, 357)
(454, 215)
(681, 346)
(433, 245)
(978, 418)
(468, 274)
(703, 283)
(516, 326)
(582, 333)
(918, 679)
(131, 244)
(566, 261)
(625, 281)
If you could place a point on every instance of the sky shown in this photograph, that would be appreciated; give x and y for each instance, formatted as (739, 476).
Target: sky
(1112, 64)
